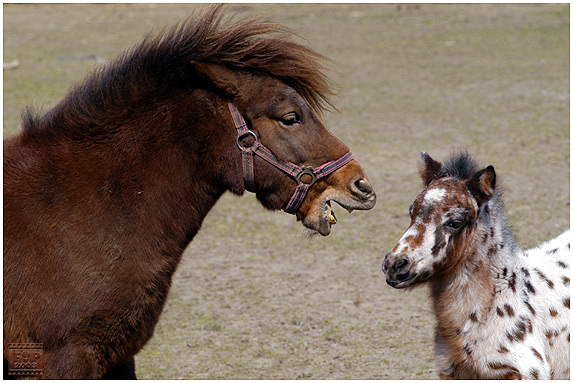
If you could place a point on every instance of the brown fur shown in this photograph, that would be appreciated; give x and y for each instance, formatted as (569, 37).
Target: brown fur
(103, 193)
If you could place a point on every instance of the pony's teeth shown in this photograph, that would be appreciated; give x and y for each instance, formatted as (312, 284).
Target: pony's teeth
(330, 214)
(332, 218)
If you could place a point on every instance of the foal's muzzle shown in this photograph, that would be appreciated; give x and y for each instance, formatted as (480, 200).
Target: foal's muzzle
(398, 270)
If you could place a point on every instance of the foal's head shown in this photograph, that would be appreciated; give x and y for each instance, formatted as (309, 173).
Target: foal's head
(443, 221)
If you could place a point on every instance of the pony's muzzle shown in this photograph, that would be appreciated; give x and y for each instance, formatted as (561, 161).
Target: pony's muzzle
(398, 269)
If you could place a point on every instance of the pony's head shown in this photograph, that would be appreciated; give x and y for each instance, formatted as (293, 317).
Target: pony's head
(443, 220)
(171, 93)
(283, 121)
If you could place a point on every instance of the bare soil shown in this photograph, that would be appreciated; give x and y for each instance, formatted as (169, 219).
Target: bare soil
(255, 296)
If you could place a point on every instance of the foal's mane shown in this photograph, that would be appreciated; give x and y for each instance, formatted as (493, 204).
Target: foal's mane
(460, 166)
(161, 64)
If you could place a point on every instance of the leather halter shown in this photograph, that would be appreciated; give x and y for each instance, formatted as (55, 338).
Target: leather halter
(291, 169)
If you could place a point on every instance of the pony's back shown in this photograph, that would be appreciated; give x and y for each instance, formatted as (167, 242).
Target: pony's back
(549, 292)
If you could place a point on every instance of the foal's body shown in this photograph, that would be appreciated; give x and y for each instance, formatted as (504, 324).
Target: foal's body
(513, 317)
(501, 312)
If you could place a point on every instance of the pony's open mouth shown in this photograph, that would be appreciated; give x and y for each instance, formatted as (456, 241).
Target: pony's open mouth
(321, 216)
(329, 218)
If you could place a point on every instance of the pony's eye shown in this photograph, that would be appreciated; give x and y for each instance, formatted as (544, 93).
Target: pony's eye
(411, 210)
(454, 224)
(290, 119)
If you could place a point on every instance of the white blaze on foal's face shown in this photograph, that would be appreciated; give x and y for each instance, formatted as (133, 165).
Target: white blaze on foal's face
(434, 196)
(438, 215)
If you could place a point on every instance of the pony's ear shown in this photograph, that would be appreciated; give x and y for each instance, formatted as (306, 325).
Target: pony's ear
(428, 168)
(482, 184)
(217, 76)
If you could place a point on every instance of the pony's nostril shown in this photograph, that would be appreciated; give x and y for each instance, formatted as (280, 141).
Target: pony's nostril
(364, 187)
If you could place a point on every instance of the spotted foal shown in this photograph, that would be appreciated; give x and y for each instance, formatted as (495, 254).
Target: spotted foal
(501, 312)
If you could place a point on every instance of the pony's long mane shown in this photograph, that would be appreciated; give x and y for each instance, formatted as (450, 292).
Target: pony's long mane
(160, 65)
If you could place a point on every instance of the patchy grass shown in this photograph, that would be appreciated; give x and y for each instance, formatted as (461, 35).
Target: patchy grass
(255, 297)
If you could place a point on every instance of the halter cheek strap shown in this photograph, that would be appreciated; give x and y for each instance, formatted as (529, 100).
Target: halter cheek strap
(295, 171)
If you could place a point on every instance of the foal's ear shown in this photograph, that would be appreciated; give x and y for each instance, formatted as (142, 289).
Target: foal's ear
(217, 76)
(482, 184)
(428, 168)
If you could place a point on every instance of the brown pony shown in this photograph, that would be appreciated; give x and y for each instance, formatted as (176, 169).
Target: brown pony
(103, 193)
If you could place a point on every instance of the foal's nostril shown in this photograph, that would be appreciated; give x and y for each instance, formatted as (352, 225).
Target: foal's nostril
(398, 270)
(400, 265)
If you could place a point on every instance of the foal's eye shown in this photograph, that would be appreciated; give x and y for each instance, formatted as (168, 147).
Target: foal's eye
(454, 224)
(290, 119)
(411, 210)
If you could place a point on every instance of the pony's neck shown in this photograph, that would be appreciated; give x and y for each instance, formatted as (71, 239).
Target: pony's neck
(466, 297)
(160, 172)
(187, 172)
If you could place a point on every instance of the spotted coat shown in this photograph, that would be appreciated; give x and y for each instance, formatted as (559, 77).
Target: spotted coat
(518, 329)
(501, 312)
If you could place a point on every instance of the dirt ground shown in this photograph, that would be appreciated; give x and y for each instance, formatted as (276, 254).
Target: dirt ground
(255, 296)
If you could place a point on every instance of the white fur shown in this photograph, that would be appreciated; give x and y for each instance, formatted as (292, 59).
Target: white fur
(490, 332)
(434, 195)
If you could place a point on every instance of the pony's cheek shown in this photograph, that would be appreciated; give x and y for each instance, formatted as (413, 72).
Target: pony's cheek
(316, 217)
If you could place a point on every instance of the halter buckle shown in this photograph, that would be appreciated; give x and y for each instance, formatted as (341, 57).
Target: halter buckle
(306, 170)
(240, 137)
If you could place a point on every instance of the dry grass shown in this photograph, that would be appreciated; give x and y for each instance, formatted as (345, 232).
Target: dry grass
(254, 298)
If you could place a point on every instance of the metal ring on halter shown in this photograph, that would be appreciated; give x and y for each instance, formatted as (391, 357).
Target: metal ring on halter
(243, 135)
(306, 170)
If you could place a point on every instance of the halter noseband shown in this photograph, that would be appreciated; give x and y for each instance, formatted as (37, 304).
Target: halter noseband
(291, 169)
